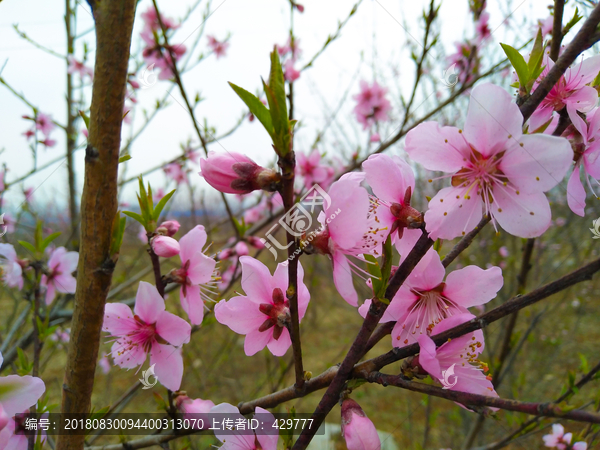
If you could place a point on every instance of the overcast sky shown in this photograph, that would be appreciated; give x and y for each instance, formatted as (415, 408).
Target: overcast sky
(372, 45)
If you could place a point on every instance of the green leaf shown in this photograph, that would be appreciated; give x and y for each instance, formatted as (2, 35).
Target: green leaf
(85, 118)
(135, 216)
(28, 246)
(535, 59)
(386, 270)
(46, 242)
(256, 107)
(518, 62)
(161, 204)
(125, 157)
(278, 104)
(145, 208)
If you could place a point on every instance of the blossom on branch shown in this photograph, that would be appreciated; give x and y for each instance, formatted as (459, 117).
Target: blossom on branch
(357, 429)
(60, 267)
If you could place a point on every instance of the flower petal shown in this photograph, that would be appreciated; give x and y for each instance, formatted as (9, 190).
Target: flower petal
(256, 341)
(539, 165)
(192, 304)
(256, 280)
(450, 214)
(472, 286)
(148, 302)
(427, 356)
(192, 242)
(351, 203)
(342, 278)
(118, 319)
(389, 177)
(437, 148)
(19, 393)
(168, 365)
(280, 346)
(492, 119)
(240, 314)
(173, 329)
(523, 215)
(576, 193)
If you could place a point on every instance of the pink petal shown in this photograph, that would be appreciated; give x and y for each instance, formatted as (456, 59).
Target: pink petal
(267, 441)
(303, 293)
(69, 261)
(19, 393)
(256, 341)
(493, 119)
(165, 246)
(148, 302)
(8, 251)
(50, 291)
(280, 346)
(449, 217)
(342, 278)
(427, 356)
(350, 223)
(472, 380)
(576, 193)
(280, 277)
(472, 286)
(539, 165)
(65, 283)
(127, 356)
(169, 365)
(437, 148)
(389, 177)
(587, 70)
(515, 216)
(360, 434)
(192, 242)
(173, 329)
(240, 314)
(201, 268)
(192, 304)
(540, 116)
(428, 273)
(118, 319)
(256, 280)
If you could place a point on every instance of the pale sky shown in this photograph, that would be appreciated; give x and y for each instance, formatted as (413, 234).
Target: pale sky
(372, 45)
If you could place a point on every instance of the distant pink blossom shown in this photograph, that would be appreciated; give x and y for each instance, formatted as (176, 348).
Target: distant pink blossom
(104, 363)
(151, 330)
(558, 439)
(60, 267)
(546, 25)
(503, 251)
(176, 172)
(263, 314)
(159, 54)
(311, 169)
(375, 137)
(79, 67)
(571, 92)
(290, 74)
(372, 104)
(151, 22)
(493, 168)
(219, 48)
(482, 29)
(190, 408)
(44, 123)
(463, 63)
(357, 429)
(459, 353)
(195, 273)
(12, 266)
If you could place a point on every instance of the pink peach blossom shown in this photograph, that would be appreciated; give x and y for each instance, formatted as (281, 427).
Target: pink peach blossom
(79, 67)
(310, 168)
(461, 354)
(218, 47)
(493, 166)
(151, 22)
(290, 74)
(12, 267)
(247, 439)
(372, 105)
(44, 123)
(348, 228)
(152, 330)
(195, 274)
(176, 172)
(168, 228)
(60, 267)
(393, 183)
(571, 91)
(233, 173)
(558, 439)
(357, 429)
(263, 313)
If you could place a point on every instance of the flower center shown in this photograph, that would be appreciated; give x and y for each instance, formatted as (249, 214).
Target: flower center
(278, 313)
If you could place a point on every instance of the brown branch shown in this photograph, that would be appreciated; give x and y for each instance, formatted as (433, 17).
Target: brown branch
(478, 401)
(114, 23)
(581, 42)
(557, 35)
(357, 350)
(465, 241)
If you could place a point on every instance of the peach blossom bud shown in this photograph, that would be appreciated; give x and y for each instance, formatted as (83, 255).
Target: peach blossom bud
(165, 246)
(358, 431)
(241, 249)
(168, 228)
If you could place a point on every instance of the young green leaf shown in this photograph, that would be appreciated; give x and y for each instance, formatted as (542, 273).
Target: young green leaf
(125, 157)
(85, 118)
(277, 103)
(135, 216)
(28, 246)
(48, 240)
(535, 59)
(518, 62)
(256, 107)
(161, 204)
